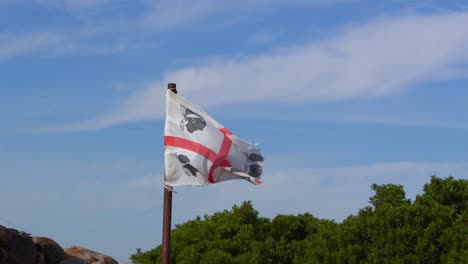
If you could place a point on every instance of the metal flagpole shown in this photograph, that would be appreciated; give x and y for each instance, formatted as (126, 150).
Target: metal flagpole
(167, 211)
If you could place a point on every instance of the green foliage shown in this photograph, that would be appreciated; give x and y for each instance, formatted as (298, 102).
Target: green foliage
(432, 229)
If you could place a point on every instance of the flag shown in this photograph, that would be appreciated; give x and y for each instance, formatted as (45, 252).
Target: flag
(200, 151)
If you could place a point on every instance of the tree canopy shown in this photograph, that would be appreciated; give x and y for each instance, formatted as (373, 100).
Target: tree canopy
(392, 229)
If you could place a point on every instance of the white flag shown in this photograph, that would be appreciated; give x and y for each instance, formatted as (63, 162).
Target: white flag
(200, 151)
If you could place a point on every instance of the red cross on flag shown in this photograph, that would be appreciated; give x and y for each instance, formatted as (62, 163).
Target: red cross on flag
(200, 151)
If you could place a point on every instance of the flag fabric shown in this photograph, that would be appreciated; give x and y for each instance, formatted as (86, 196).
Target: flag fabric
(200, 151)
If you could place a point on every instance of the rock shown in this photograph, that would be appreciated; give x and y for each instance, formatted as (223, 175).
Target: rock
(3, 255)
(72, 260)
(89, 256)
(40, 258)
(52, 251)
(18, 246)
(5, 235)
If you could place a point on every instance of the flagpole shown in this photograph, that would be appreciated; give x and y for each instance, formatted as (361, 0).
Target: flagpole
(167, 211)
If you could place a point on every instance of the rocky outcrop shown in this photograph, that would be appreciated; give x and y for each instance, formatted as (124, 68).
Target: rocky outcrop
(89, 255)
(17, 247)
(51, 251)
(21, 248)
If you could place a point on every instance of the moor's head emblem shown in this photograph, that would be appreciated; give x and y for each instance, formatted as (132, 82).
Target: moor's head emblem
(254, 165)
(191, 121)
(188, 168)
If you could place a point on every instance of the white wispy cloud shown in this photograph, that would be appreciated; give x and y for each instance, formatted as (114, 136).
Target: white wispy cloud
(54, 43)
(84, 37)
(327, 192)
(17, 44)
(380, 58)
(94, 21)
(152, 181)
(166, 15)
(73, 4)
(264, 37)
(77, 4)
(356, 118)
(68, 5)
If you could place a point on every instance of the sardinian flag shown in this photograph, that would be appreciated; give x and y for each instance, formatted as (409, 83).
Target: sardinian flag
(200, 151)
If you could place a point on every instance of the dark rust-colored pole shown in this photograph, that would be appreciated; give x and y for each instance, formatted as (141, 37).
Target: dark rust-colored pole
(167, 211)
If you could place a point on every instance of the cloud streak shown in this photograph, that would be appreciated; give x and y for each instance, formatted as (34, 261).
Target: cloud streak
(13, 44)
(70, 4)
(381, 58)
(345, 189)
(356, 118)
(166, 15)
(55, 43)
(155, 16)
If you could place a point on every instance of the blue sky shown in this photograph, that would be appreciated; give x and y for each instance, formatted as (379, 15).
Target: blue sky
(339, 95)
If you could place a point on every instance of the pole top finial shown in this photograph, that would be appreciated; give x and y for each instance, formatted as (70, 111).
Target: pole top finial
(172, 87)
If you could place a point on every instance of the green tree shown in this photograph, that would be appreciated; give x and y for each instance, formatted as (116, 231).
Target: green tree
(438, 215)
(392, 229)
